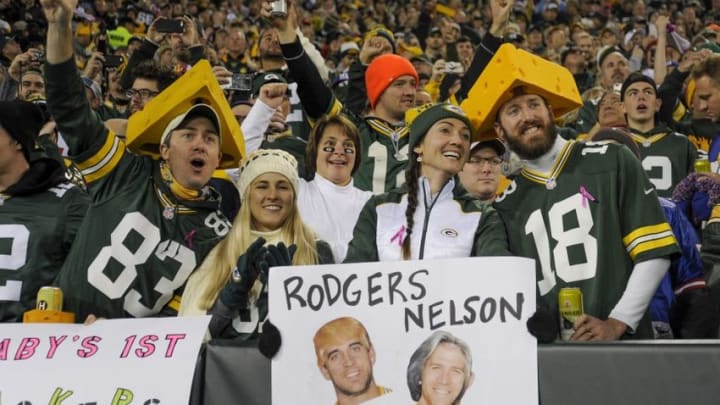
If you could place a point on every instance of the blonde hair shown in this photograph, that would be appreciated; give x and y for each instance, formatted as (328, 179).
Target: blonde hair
(215, 270)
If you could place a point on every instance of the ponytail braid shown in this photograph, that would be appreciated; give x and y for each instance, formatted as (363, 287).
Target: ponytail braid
(411, 180)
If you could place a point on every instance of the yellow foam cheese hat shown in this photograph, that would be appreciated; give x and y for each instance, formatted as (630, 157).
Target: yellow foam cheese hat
(196, 86)
(510, 70)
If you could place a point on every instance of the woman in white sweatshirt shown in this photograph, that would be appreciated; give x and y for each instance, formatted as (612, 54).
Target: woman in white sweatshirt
(330, 204)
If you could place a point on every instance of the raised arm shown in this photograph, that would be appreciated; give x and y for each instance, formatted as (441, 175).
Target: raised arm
(315, 96)
(65, 91)
(59, 15)
(490, 43)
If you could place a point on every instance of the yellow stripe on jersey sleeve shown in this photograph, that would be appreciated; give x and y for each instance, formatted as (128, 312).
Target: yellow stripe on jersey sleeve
(174, 304)
(647, 238)
(714, 215)
(104, 161)
(335, 109)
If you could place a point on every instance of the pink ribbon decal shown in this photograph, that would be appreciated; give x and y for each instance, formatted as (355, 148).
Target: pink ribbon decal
(586, 196)
(189, 238)
(399, 236)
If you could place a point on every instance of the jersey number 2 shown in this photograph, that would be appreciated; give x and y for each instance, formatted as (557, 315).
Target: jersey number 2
(564, 238)
(14, 260)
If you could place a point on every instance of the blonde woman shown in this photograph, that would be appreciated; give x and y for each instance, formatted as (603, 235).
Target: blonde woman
(231, 284)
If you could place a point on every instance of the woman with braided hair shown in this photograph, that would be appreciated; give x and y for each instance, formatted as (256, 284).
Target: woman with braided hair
(429, 217)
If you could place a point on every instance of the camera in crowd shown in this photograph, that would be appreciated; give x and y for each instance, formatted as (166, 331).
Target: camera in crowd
(38, 57)
(240, 82)
(279, 8)
(454, 67)
(169, 26)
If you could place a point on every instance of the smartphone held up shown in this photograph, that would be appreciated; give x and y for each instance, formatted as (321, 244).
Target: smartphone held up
(279, 8)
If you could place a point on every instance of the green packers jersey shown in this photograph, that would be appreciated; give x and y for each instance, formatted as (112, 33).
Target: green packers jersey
(36, 232)
(297, 120)
(667, 158)
(384, 155)
(586, 224)
(139, 242)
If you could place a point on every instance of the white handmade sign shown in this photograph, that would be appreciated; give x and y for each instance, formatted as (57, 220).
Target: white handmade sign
(117, 362)
(431, 331)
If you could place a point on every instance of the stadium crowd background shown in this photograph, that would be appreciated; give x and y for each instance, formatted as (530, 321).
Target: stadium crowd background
(600, 43)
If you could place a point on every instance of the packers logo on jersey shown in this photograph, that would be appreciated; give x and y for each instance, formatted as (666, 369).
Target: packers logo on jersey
(449, 232)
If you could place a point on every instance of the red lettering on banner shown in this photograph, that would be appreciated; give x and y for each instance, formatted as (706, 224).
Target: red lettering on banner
(4, 345)
(27, 348)
(147, 346)
(173, 339)
(128, 345)
(89, 346)
(54, 344)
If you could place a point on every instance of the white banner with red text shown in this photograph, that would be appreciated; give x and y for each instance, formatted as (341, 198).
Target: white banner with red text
(118, 362)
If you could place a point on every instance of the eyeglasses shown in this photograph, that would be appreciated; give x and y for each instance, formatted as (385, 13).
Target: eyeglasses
(480, 161)
(143, 93)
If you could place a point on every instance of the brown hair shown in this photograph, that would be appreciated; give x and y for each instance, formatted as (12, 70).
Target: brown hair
(708, 67)
(412, 173)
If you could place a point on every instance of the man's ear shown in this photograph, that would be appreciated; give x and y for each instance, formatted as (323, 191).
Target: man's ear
(499, 131)
(164, 152)
(372, 355)
(658, 104)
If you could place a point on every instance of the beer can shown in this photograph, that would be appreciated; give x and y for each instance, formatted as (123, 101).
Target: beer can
(49, 299)
(702, 165)
(570, 305)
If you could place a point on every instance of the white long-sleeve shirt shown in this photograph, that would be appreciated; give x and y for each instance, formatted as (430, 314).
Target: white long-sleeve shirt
(331, 211)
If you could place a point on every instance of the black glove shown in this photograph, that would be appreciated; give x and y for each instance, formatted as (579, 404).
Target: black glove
(280, 255)
(249, 266)
(270, 340)
(543, 325)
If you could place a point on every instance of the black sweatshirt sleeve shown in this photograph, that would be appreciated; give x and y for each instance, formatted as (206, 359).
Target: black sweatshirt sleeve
(315, 96)
(488, 46)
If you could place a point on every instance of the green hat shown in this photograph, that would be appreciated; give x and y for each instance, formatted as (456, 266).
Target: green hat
(262, 79)
(420, 119)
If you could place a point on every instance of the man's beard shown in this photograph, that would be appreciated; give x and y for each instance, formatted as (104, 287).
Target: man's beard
(271, 53)
(532, 152)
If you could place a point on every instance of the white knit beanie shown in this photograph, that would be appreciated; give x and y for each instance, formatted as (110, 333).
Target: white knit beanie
(267, 161)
